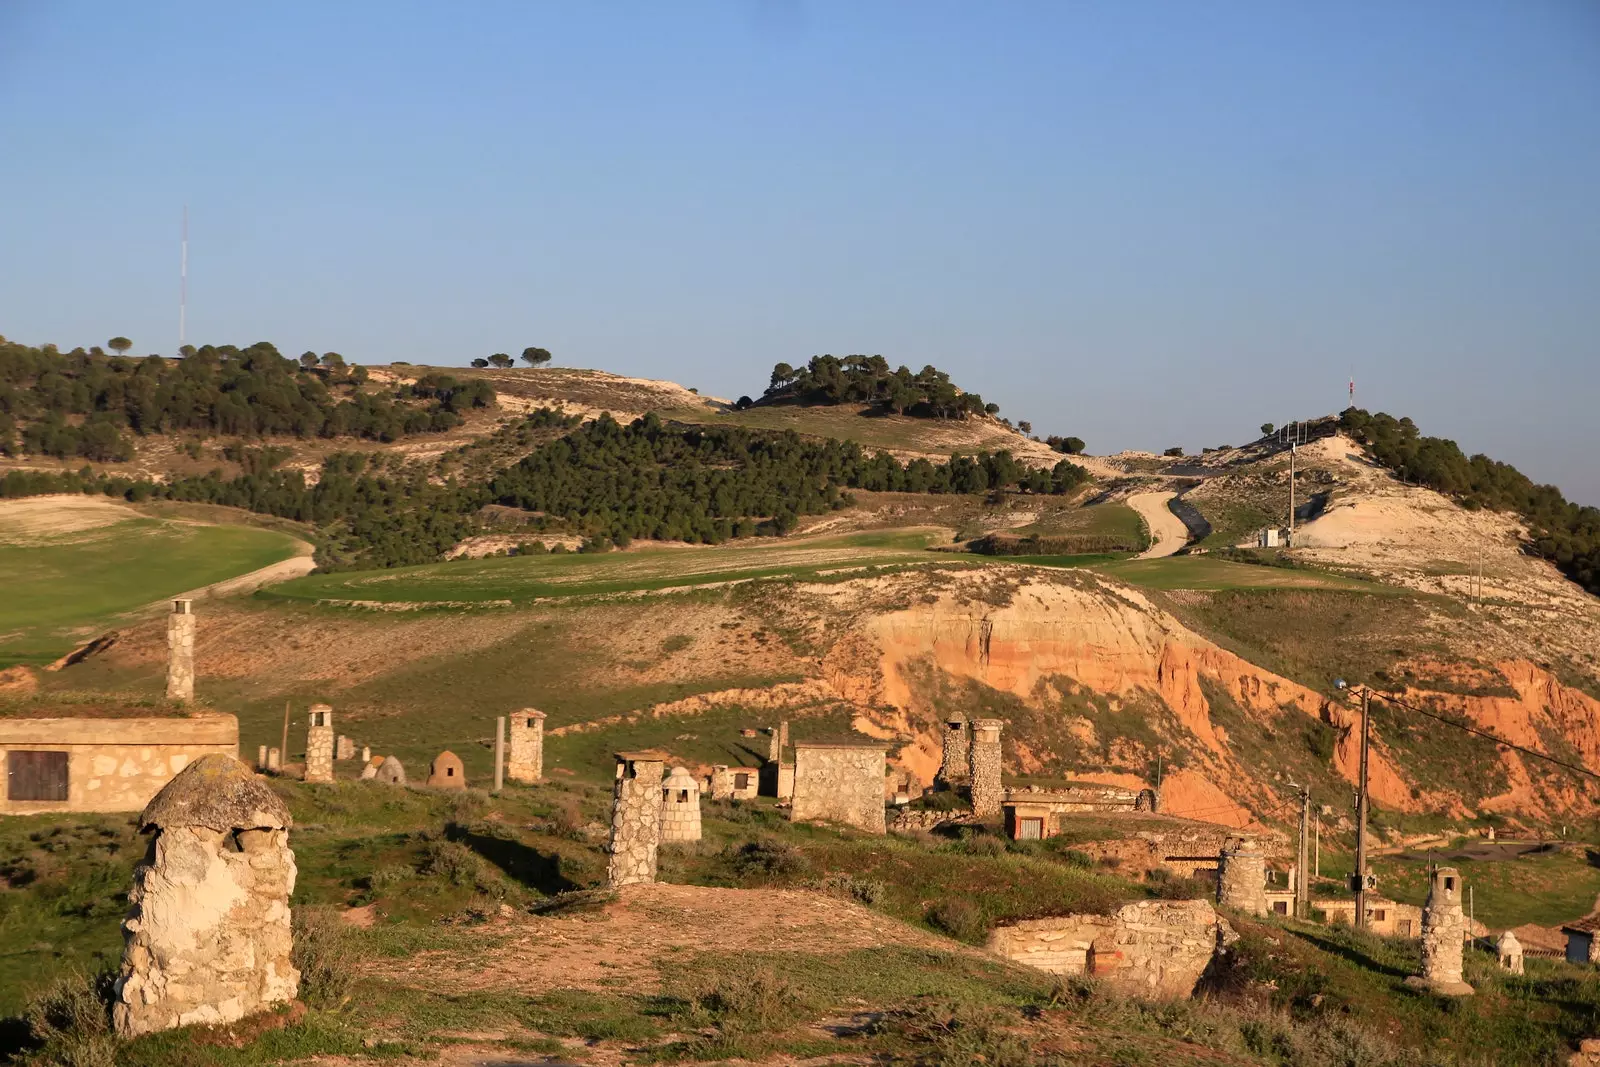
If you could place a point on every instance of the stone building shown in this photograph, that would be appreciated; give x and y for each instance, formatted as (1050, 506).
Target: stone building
(635, 818)
(984, 774)
(180, 651)
(525, 753)
(208, 937)
(344, 748)
(1508, 953)
(1034, 811)
(390, 771)
(1384, 916)
(1444, 928)
(1242, 877)
(68, 764)
(445, 772)
(319, 744)
(1152, 948)
(735, 783)
(680, 806)
(839, 783)
(955, 759)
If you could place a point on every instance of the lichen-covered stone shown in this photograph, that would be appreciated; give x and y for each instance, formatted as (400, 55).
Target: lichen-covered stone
(208, 937)
(839, 783)
(525, 754)
(635, 818)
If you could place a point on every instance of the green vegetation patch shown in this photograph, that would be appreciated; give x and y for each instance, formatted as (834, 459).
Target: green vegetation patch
(58, 591)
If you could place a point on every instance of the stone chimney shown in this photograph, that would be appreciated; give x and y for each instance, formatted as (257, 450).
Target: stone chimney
(525, 758)
(984, 769)
(954, 765)
(635, 818)
(180, 651)
(319, 744)
(1444, 927)
(680, 806)
(208, 936)
(1242, 877)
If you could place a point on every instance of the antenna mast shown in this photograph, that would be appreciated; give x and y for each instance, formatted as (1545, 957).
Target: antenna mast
(183, 283)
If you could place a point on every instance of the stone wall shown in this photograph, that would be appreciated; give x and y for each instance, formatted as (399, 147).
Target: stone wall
(839, 783)
(635, 820)
(1152, 948)
(922, 820)
(180, 651)
(985, 768)
(208, 937)
(319, 744)
(525, 756)
(115, 764)
(1242, 878)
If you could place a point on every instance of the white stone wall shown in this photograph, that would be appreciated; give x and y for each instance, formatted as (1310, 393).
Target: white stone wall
(839, 783)
(680, 807)
(635, 822)
(1242, 879)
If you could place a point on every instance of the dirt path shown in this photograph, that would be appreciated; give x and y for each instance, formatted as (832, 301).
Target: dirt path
(297, 566)
(1167, 531)
(622, 946)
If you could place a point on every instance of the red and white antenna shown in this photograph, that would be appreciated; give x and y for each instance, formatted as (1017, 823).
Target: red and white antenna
(1352, 387)
(183, 283)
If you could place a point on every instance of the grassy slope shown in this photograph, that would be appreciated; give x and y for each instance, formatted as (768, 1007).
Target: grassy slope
(437, 867)
(55, 593)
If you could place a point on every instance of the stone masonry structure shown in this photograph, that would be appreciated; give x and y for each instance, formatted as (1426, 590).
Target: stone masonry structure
(445, 772)
(984, 771)
(1508, 953)
(1444, 927)
(954, 765)
(70, 764)
(680, 806)
(525, 755)
(180, 651)
(344, 748)
(1152, 948)
(839, 783)
(207, 936)
(721, 782)
(635, 818)
(1242, 877)
(319, 744)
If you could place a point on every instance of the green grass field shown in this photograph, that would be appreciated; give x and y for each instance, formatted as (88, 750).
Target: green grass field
(58, 593)
(524, 579)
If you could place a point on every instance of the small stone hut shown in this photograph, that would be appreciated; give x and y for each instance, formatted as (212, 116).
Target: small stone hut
(525, 755)
(319, 744)
(680, 806)
(1508, 953)
(635, 818)
(445, 772)
(839, 783)
(208, 936)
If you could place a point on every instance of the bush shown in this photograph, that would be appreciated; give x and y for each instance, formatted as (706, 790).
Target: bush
(960, 918)
(769, 859)
(749, 1003)
(325, 954)
(70, 1020)
(868, 891)
(956, 1033)
(454, 862)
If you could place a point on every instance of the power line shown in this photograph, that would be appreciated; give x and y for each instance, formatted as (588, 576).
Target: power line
(1486, 734)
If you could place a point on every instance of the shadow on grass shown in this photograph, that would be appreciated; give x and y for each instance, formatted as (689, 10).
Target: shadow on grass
(1353, 953)
(527, 865)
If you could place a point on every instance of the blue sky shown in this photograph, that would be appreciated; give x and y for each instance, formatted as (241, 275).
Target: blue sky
(1143, 223)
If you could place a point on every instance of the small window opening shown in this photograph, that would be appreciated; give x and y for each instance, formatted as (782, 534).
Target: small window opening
(683, 796)
(741, 781)
(1379, 915)
(1449, 884)
(230, 842)
(530, 724)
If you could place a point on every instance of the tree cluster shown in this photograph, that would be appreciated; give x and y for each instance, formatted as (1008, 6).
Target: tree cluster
(1563, 532)
(85, 403)
(868, 380)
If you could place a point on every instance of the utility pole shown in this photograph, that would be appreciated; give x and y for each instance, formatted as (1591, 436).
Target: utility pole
(1361, 817)
(1292, 447)
(1318, 846)
(283, 746)
(499, 752)
(1302, 878)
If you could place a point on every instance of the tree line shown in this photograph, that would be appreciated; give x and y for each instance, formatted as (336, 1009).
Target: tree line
(868, 380)
(609, 482)
(89, 404)
(1565, 533)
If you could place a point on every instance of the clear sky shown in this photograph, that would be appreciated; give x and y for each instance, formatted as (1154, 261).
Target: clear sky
(1144, 223)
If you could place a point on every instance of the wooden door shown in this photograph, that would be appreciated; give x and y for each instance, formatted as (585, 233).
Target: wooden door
(36, 775)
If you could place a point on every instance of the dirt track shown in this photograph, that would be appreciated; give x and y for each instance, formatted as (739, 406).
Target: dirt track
(1167, 531)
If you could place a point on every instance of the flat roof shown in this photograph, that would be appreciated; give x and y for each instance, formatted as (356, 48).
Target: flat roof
(842, 744)
(648, 755)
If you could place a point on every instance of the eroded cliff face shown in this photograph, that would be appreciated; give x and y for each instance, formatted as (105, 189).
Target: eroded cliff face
(1089, 634)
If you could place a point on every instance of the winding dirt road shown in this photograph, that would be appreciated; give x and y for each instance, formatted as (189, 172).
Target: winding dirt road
(1167, 531)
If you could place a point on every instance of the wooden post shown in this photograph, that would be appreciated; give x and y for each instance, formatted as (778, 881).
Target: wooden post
(499, 752)
(283, 746)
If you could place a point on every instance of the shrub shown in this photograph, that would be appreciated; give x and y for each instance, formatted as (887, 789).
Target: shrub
(960, 918)
(956, 1033)
(454, 862)
(325, 954)
(769, 859)
(70, 1020)
(868, 891)
(748, 1003)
